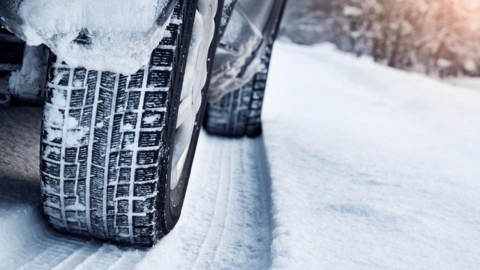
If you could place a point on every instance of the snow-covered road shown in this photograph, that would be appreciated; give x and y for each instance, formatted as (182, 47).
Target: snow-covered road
(226, 222)
(360, 167)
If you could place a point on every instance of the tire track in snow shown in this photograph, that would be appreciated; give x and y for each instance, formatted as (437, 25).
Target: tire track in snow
(216, 229)
(221, 229)
(254, 191)
(225, 222)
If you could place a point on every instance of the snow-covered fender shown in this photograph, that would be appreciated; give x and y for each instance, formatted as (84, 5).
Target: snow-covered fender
(106, 35)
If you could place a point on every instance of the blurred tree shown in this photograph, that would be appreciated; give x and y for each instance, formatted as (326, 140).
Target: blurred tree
(439, 37)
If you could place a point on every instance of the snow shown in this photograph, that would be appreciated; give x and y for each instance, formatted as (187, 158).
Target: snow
(360, 167)
(150, 120)
(121, 42)
(371, 167)
(465, 82)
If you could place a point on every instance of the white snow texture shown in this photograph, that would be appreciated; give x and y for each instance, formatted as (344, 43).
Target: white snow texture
(121, 42)
(360, 167)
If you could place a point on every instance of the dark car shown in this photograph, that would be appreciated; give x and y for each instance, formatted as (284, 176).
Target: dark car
(125, 85)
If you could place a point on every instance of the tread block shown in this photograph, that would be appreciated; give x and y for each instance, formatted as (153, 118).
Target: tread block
(98, 151)
(155, 100)
(145, 189)
(53, 184)
(70, 202)
(69, 187)
(86, 119)
(128, 140)
(81, 190)
(122, 206)
(133, 100)
(70, 171)
(82, 170)
(111, 199)
(125, 175)
(159, 78)
(150, 139)
(153, 119)
(108, 80)
(122, 220)
(130, 120)
(76, 99)
(142, 220)
(146, 174)
(123, 190)
(91, 87)
(162, 58)
(136, 80)
(148, 157)
(126, 158)
(146, 205)
(51, 168)
(71, 155)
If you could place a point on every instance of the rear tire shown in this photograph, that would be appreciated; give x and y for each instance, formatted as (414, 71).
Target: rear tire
(238, 114)
(108, 139)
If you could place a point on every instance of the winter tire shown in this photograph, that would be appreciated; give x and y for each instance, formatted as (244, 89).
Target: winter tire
(238, 113)
(108, 153)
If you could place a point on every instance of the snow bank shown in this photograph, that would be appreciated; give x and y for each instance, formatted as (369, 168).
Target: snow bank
(372, 168)
(112, 35)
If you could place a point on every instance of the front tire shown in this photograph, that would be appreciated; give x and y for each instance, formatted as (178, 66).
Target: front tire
(108, 142)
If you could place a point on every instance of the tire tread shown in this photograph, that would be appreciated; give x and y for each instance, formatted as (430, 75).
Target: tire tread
(105, 183)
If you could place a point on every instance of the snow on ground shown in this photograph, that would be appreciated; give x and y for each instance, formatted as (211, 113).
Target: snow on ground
(360, 167)
(467, 82)
(371, 168)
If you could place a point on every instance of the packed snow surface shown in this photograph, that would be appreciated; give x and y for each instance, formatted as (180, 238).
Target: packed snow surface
(360, 167)
(116, 35)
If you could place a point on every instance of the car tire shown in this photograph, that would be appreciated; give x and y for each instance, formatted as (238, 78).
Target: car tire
(238, 113)
(108, 142)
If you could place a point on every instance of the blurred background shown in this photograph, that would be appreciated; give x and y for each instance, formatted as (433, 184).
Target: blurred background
(436, 37)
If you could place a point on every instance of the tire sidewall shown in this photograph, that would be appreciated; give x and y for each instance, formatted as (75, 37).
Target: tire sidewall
(172, 213)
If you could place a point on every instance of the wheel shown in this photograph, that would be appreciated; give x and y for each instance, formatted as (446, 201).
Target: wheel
(117, 150)
(238, 113)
